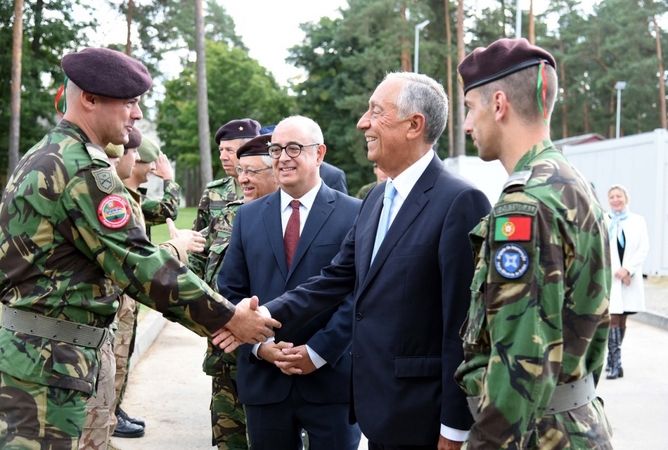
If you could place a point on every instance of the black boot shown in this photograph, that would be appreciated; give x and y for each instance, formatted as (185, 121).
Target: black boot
(608, 364)
(615, 349)
(124, 415)
(125, 429)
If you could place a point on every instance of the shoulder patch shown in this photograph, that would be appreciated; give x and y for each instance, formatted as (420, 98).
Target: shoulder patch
(215, 183)
(513, 228)
(511, 261)
(104, 180)
(505, 209)
(96, 152)
(517, 179)
(114, 211)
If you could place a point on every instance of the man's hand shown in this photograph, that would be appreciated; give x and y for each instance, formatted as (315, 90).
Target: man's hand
(246, 325)
(295, 361)
(447, 444)
(163, 168)
(271, 351)
(193, 241)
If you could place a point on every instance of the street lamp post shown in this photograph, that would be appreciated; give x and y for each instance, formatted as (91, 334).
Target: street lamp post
(416, 55)
(620, 86)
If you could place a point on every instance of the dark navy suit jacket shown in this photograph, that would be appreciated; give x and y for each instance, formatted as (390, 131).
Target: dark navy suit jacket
(255, 265)
(408, 308)
(333, 177)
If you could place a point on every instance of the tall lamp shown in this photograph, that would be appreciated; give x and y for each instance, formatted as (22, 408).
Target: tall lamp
(416, 55)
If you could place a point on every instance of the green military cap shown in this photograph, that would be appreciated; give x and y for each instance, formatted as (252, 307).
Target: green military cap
(114, 151)
(148, 150)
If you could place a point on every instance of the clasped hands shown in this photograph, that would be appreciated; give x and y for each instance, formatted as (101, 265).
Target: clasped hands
(623, 275)
(247, 325)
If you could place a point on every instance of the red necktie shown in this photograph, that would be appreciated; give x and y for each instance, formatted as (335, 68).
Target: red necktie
(291, 237)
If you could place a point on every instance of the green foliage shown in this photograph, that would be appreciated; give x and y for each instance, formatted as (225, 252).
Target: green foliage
(184, 221)
(49, 32)
(238, 87)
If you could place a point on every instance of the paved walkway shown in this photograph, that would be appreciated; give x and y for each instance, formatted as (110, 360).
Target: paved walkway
(168, 389)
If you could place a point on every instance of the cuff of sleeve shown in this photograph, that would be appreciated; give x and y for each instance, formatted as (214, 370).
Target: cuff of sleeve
(454, 434)
(316, 359)
(264, 312)
(256, 347)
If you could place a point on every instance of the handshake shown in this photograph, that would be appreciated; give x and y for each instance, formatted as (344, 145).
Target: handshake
(247, 325)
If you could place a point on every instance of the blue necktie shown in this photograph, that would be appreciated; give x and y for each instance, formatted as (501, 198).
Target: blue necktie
(384, 222)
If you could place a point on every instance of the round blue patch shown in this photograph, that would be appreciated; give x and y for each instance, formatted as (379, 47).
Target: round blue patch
(511, 261)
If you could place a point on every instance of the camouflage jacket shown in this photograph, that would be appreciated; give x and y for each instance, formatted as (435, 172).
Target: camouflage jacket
(68, 238)
(214, 200)
(539, 310)
(366, 189)
(208, 263)
(156, 212)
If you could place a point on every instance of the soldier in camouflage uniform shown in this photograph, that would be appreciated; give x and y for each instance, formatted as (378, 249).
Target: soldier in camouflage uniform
(219, 193)
(536, 331)
(68, 238)
(380, 177)
(228, 419)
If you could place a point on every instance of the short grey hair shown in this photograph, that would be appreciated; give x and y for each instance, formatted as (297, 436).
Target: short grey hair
(424, 95)
(267, 160)
(308, 125)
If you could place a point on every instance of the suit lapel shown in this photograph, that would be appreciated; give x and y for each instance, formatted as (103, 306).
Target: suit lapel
(412, 207)
(271, 216)
(322, 208)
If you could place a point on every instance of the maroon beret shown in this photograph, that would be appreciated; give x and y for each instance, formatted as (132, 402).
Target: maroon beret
(134, 139)
(500, 59)
(255, 147)
(107, 72)
(238, 129)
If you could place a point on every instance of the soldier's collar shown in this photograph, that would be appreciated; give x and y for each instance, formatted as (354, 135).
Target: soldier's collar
(523, 163)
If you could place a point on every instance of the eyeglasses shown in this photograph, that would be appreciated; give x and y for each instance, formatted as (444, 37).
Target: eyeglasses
(249, 172)
(292, 149)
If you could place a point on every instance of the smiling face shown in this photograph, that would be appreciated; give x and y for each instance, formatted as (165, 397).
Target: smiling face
(481, 125)
(256, 179)
(384, 132)
(296, 176)
(228, 155)
(617, 199)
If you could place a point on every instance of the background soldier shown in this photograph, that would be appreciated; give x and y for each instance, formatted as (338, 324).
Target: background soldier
(219, 193)
(538, 320)
(68, 238)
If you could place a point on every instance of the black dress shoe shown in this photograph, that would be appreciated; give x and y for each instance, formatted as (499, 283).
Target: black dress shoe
(124, 415)
(125, 429)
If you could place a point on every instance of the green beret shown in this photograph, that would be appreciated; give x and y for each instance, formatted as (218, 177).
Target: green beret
(502, 58)
(107, 72)
(114, 151)
(148, 150)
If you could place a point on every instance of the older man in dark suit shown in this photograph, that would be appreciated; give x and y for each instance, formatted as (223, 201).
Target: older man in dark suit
(278, 242)
(409, 265)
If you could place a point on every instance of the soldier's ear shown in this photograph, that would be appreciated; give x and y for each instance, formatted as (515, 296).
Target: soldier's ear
(88, 100)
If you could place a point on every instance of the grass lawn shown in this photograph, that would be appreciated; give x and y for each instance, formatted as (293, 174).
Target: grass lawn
(184, 221)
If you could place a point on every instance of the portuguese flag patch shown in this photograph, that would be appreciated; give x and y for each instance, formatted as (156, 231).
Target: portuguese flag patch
(513, 228)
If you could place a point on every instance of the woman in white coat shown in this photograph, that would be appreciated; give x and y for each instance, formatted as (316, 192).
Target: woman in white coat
(629, 244)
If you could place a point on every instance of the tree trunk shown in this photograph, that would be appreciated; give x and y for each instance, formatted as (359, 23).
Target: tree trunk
(564, 92)
(460, 137)
(448, 65)
(15, 106)
(662, 82)
(406, 64)
(128, 19)
(532, 30)
(206, 174)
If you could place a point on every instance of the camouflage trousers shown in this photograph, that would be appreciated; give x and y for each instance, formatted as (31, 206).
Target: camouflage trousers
(35, 416)
(99, 408)
(125, 321)
(228, 418)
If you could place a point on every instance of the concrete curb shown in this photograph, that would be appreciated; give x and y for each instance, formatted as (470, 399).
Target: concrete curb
(147, 330)
(650, 318)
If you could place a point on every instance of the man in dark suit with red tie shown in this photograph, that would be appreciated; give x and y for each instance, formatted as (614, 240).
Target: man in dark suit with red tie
(278, 242)
(408, 263)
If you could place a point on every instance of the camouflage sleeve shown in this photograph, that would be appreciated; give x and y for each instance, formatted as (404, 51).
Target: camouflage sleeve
(156, 212)
(151, 276)
(202, 218)
(523, 297)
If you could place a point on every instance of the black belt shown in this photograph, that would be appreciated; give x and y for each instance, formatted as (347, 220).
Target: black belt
(565, 397)
(52, 328)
